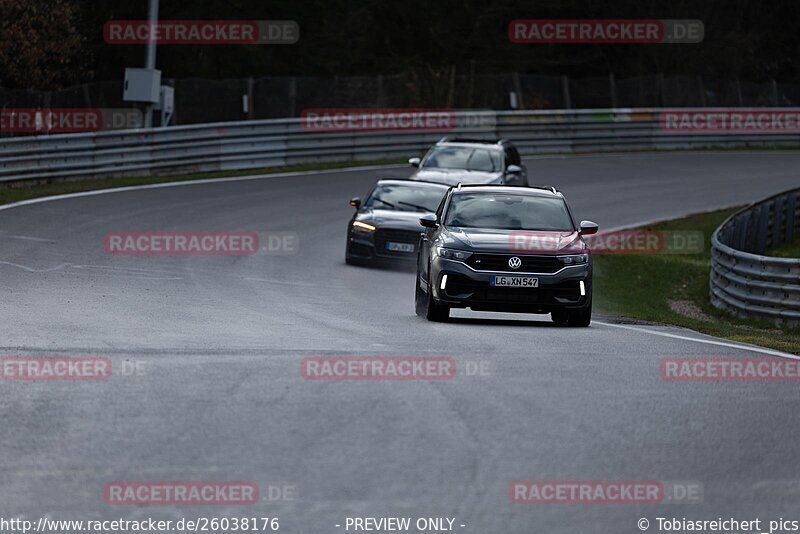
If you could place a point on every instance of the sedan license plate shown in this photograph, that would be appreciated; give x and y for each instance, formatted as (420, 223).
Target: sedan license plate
(514, 281)
(399, 247)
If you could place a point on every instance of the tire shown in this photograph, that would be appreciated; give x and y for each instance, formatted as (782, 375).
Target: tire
(582, 317)
(435, 312)
(579, 318)
(420, 299)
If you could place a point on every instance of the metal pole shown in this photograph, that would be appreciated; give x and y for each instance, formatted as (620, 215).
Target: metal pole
(150, 54)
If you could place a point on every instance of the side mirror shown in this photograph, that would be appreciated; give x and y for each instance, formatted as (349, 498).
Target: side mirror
(414, 162)
(513, 169)
(588, 228)
(429, 221)
(355, 202)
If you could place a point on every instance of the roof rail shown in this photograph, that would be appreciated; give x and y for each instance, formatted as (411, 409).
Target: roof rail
(468, 140)
(444, 139)
(545, 187)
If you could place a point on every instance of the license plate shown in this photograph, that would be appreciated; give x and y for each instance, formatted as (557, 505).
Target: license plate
(399, 247)
(514, 281)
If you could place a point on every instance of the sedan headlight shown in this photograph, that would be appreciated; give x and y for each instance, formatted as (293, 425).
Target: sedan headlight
(452, 254)
(574, 259)
(363, 227)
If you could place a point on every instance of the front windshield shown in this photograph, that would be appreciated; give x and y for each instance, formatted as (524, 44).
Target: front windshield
(405, 197)
(466, 158)
(508, 212)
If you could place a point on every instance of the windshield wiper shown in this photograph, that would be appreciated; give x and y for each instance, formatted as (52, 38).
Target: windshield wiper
(423, 208)
(387, 203)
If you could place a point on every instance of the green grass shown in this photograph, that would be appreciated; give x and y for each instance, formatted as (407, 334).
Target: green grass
(639, 286)
(789, 250)
(16, 193)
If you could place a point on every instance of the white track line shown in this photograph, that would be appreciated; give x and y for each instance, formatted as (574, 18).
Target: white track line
(372, 168)
(189, 182)
(750, 348)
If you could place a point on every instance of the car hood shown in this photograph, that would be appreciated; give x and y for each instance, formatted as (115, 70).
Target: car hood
(514, 241)
(456, 176)
(403, 220)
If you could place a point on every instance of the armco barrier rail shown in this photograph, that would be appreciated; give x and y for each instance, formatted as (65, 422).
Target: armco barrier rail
(271, 143)
(745, 282)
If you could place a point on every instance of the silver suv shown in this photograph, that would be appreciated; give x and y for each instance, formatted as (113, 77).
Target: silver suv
(470, 161)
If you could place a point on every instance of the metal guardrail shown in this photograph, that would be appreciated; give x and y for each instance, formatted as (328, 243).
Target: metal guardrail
(743, 280)
(272, 143)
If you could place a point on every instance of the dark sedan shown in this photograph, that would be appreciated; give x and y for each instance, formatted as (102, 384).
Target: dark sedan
(385, 226)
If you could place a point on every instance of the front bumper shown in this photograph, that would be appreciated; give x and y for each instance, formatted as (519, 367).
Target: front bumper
(470, 288)
(372, 246)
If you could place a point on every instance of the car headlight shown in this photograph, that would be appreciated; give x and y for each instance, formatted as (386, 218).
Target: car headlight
(452, 254)
(363, 227)
(574, 259)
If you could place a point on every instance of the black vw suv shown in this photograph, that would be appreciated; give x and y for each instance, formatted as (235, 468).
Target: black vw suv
(508, 249)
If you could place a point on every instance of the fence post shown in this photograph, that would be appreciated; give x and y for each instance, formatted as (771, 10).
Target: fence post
(518, 90)
(87, 99)
(292, 96)
(565, 89)
(451, 90)
(612, 86)
(777, 220)
(250, 103)
(471, 86)
(702, 91)
(775, 97)
(739, 91)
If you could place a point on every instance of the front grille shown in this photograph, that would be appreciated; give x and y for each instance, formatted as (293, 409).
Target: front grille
(459, 286)
(499, 262)
(360, 250)
(384, 235)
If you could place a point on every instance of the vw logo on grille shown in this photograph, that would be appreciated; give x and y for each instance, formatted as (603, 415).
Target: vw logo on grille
(514, 262)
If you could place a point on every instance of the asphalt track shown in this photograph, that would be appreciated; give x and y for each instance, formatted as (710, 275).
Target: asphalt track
(219, 394)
